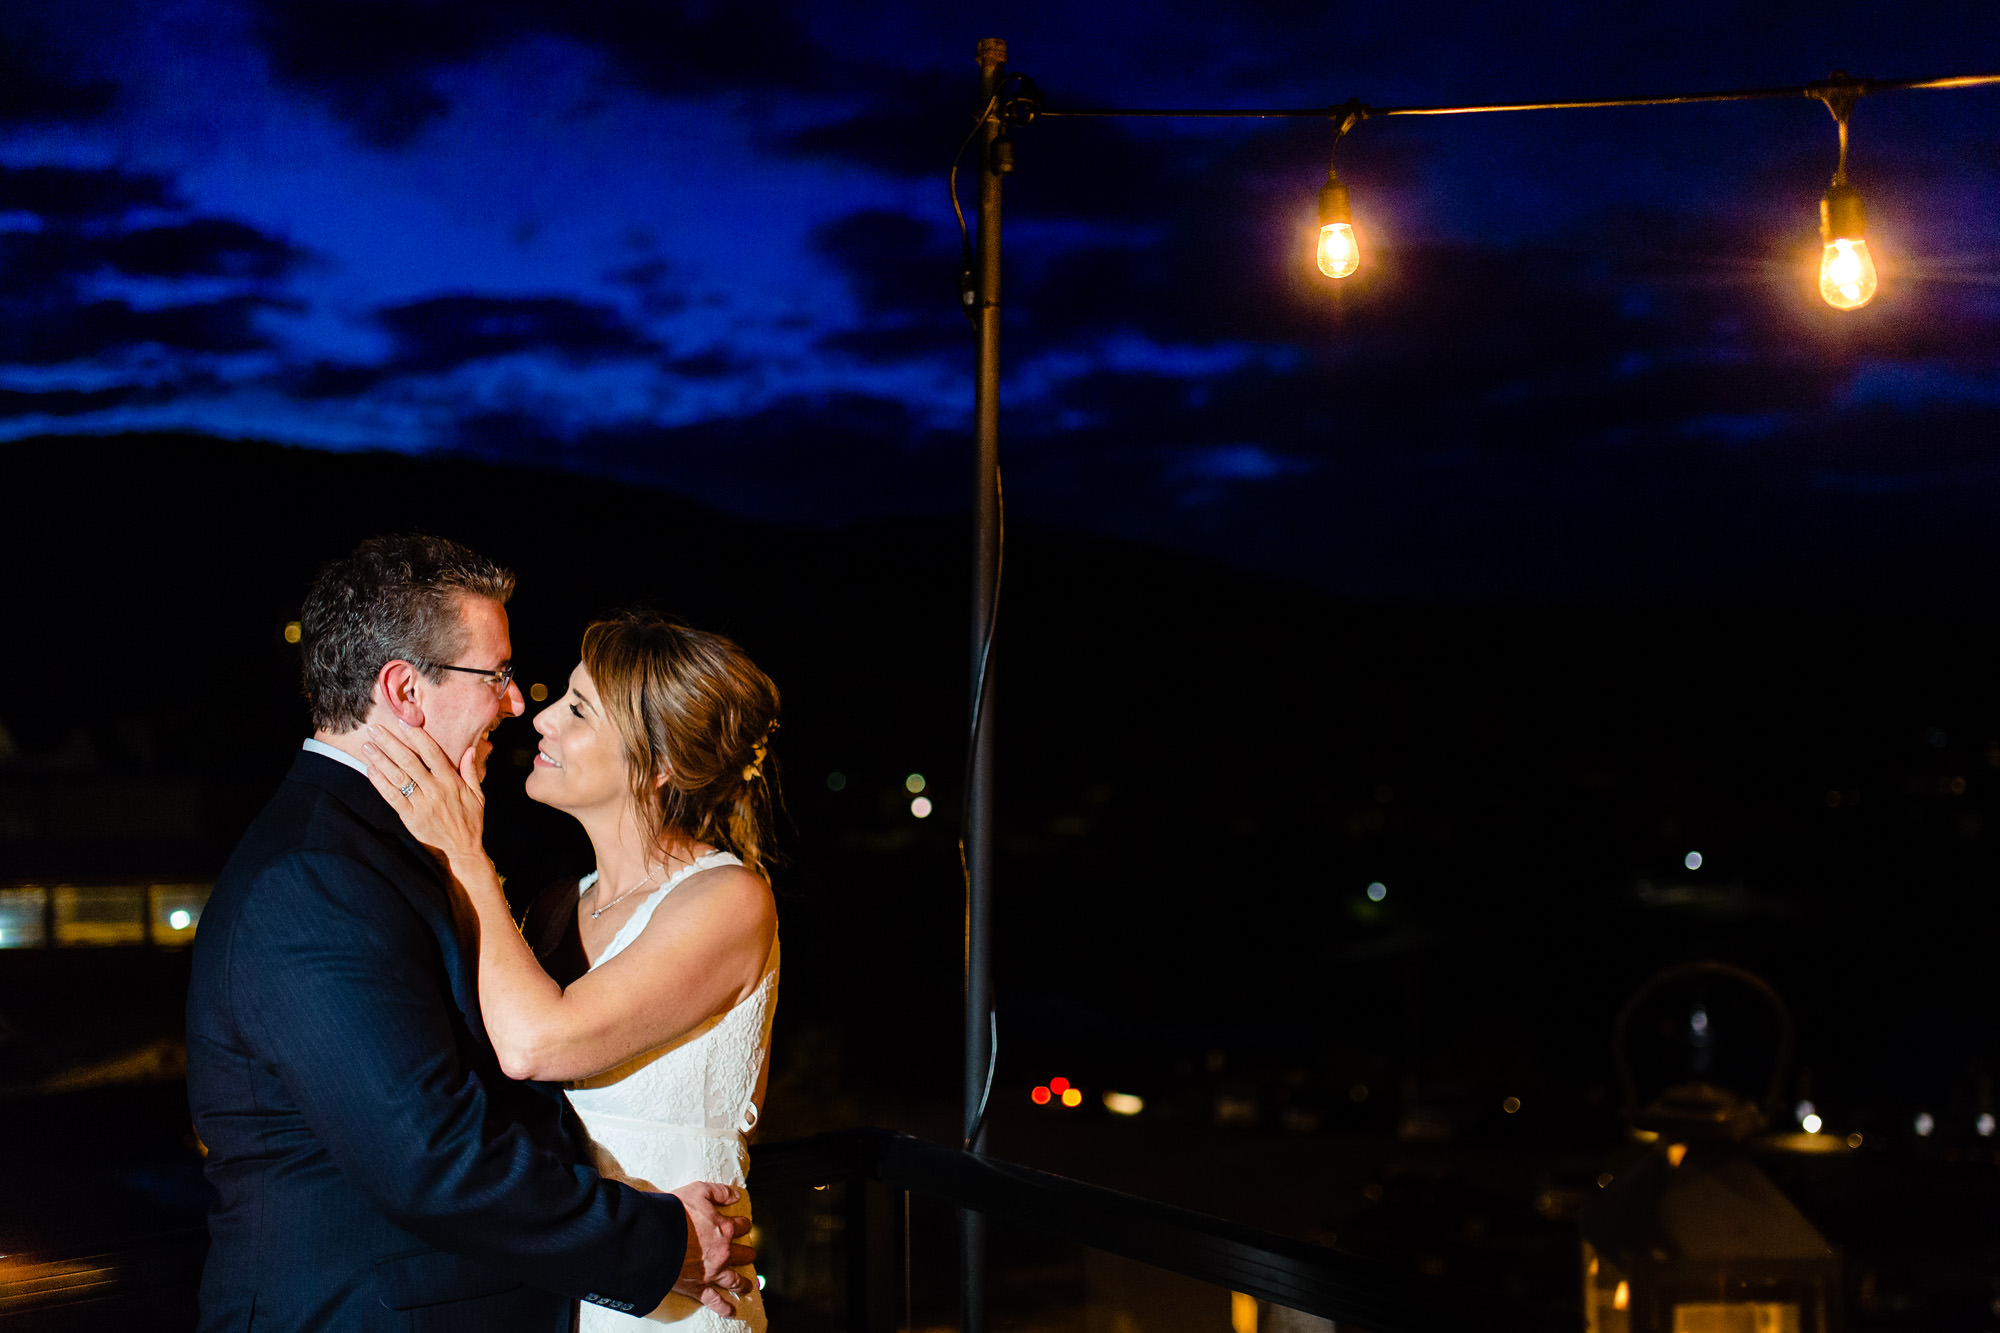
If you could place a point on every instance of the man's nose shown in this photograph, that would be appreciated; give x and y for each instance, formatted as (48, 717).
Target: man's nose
(515, 705)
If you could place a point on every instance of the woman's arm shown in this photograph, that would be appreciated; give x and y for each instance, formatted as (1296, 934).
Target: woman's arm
(703, 950)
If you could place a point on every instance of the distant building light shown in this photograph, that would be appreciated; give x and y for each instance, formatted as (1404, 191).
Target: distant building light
(1072, 1097)
(292, 631)
(180, 918)
(1811, 1124)
(1040, 1096)
(1377, 891)
(1692, 860)
(1604, 1181)
(1358, 1093)
(1059, 1085)
(913, 783)
(1123, 1103)
(921, 807)
(1925, 1124)
(1511, 1105)
(1676, 1153)
(1984, 1124)
(538, 691)
(836, 782)
(1802, 1110)
(1854, 1140)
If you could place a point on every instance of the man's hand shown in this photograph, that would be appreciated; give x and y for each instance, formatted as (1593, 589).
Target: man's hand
(707, 1270)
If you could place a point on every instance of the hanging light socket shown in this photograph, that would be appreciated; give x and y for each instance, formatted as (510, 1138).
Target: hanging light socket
(1841, 214)
(1333, 202)
(1846, 270)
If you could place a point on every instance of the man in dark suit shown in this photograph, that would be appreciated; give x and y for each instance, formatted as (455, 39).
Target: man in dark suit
(373, 1166)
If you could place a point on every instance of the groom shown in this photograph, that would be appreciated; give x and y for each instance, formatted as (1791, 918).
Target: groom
(372, 1165)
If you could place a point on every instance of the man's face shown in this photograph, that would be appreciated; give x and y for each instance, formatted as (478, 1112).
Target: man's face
(461, 711)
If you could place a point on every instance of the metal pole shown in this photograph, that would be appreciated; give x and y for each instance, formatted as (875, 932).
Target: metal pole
(985, 566)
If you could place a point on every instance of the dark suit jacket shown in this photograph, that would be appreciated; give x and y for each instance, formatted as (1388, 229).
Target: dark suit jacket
(373, 1166)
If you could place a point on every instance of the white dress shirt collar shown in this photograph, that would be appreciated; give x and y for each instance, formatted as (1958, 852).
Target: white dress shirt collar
(339, 756)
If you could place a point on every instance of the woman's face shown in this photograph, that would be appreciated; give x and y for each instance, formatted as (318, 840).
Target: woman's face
(580, 764)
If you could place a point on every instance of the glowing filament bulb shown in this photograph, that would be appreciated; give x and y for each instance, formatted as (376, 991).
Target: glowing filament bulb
(1846, 269)
(1339, 252)
(1846, 274)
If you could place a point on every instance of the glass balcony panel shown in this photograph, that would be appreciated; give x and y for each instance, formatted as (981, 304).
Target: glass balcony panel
(801, 1261)
(100, 914)
(23, 919)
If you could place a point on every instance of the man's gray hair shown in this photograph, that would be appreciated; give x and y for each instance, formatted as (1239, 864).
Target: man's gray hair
(393, 599)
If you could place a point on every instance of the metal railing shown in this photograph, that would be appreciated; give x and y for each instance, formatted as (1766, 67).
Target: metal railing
(1347, 1289)
(145, 1283)
(151, 1282)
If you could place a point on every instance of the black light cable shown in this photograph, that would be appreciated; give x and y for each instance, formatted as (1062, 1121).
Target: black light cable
(1017, 101)
(968, 288)
(1815, 91)
(965, 807)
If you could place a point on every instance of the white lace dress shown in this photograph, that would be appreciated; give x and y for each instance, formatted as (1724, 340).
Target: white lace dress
(679, 1113)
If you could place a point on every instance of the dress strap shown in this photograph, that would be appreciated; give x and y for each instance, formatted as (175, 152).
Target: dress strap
(706, 861)
(642, 915)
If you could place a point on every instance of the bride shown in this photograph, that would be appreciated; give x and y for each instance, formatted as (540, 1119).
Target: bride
(658, 749)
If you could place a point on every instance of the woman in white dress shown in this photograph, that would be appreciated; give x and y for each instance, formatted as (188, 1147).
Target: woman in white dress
(658, 749)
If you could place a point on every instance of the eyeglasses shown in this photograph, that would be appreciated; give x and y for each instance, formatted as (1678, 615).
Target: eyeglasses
(498, 680)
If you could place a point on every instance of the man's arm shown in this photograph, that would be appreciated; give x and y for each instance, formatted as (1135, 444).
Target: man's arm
(339, 986)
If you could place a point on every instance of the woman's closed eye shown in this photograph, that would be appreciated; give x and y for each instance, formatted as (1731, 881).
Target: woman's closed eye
(576, 712)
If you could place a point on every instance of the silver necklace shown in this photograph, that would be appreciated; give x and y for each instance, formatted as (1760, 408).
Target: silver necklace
(621, 897)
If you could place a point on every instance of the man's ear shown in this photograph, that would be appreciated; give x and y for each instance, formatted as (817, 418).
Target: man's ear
(396, 686)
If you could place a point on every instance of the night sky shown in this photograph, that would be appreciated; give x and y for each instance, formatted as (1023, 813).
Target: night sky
(1570, 538)
(710, 248)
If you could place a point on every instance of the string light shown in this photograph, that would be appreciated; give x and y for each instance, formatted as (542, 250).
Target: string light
(1847, 277)
(1846, 270)
(1339, 249)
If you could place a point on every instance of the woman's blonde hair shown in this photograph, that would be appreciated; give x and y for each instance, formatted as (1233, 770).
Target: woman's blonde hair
(693, 706)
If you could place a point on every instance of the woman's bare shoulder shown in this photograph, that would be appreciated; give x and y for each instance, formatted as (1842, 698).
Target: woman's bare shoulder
(726, 895)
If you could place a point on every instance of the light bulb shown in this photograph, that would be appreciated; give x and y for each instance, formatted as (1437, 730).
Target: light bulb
(1339, 251)
(1847, 274)
(1846, 269)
